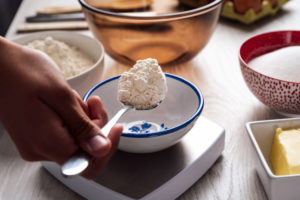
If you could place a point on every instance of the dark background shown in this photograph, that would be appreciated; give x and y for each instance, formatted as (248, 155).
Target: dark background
(8, 9)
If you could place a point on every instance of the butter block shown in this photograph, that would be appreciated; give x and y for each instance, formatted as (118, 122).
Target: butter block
(285, 153)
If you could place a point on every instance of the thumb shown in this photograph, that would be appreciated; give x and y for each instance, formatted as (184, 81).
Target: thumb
(92, 141)
(90, 138)
(98, 164)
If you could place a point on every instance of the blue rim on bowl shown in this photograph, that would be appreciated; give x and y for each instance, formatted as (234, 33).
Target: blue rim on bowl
(163, 132)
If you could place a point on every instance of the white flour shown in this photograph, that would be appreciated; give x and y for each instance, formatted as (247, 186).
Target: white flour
(143, 86)
(282, 64)
(69, 59)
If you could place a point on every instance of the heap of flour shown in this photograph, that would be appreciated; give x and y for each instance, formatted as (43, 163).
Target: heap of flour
(70, 60)
(143, 86)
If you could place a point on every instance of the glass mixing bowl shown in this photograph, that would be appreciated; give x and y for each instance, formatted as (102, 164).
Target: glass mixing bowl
(163, 29)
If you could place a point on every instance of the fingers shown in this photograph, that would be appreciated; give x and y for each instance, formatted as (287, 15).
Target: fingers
(48, 137)
(98, 145)
(84, 121)
(96, 164)
(98, 115)
(114, 136)
(85, 131)
(82, 103)
(96, 111)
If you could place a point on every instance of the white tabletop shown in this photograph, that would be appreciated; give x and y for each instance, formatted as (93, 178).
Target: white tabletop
(228, 102)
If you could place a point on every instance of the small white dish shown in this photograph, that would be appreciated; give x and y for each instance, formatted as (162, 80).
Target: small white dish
(85, 80)
(261, 134)
(147, 131)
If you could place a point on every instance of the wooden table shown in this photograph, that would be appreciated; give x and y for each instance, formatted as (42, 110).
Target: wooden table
(228, 102)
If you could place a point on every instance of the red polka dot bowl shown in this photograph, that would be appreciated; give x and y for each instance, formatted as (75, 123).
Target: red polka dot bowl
(281, 95)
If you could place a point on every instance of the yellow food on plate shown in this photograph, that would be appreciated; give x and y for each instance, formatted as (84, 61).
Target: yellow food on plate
(285, 153)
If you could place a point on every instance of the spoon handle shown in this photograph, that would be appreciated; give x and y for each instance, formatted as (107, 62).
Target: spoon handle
(79, 162)
(114, 120)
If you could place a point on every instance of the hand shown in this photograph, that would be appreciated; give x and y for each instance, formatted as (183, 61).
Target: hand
(44, 117)
(94, 109)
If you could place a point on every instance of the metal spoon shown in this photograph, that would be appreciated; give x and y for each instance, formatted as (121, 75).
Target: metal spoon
(79, 162)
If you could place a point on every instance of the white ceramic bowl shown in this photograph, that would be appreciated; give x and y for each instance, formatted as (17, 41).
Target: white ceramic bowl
(159, 128)
(85, 80)
(261, 134)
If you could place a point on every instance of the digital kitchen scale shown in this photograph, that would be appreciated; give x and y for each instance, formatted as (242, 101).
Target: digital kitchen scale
(161, 175)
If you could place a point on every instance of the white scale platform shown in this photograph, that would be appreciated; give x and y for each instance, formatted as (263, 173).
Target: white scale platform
(161, 175)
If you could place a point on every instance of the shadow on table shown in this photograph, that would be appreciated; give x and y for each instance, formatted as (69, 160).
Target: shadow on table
(258, 183)
(8, 150)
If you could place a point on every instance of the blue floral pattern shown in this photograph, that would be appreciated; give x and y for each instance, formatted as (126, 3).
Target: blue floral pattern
(145, 127)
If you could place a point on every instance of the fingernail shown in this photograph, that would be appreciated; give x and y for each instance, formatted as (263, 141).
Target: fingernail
(97, 143)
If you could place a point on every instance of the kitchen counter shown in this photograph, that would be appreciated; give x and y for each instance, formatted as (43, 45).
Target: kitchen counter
(228, 102)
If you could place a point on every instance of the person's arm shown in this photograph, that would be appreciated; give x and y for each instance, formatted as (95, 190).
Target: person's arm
(43, 115)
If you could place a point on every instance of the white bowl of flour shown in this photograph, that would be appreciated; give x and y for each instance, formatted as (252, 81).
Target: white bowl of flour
(80, 58)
